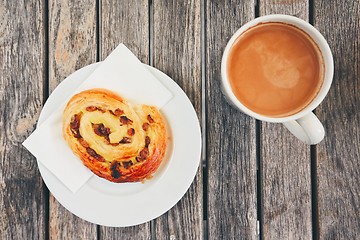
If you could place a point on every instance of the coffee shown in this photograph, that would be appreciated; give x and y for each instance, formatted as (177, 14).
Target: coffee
(275, 69)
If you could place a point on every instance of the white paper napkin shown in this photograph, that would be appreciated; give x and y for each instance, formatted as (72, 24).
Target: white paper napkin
(121, 72)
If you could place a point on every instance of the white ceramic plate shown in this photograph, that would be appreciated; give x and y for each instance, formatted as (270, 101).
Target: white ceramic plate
(118, 205)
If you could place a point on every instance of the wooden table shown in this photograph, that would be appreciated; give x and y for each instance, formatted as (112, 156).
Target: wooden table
(256, 179)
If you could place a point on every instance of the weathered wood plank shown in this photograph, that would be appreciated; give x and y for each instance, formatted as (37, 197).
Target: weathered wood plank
(177, 52)
(125, 22)
(72, 45)
(338, 156)
(22, 198)
(142, 232)
(231, 135)
(298, 8)
(285, 162)
(72, 38)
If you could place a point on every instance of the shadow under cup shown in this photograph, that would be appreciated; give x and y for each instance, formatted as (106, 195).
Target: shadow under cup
(276, 68)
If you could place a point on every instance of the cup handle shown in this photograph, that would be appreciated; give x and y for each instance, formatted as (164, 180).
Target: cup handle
(308, 129)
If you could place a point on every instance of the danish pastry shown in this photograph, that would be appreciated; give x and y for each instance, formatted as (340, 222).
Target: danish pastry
(115, 140)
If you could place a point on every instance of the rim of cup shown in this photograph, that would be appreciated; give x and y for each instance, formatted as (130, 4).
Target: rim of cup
(318, 39)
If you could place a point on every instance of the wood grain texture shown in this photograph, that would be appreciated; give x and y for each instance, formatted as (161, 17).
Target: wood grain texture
(142, 232)
(177, 52)
(72, 45)
(125, 22)
(338, 156)
(22, 198)
(297, 8)
(72, 38)
(285, 162)
(231, 152)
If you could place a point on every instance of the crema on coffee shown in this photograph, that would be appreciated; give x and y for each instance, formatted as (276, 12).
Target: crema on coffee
(275, 69)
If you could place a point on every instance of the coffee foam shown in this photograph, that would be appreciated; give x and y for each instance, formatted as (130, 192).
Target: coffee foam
(275, 72)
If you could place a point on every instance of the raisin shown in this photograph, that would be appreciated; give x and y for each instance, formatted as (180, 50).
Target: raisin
(118, 112)
(145, 126)
(74, 125)
(101, 130)
(125, 140)
(147, 141)
(125, 120)
(83, 143)
(101, 110)
(93, 153)
(76, 133)
(75, 122)
(127, 164)
(149, 118)
(131, 132)
(91, 108)
(114, 171)
(144, 153)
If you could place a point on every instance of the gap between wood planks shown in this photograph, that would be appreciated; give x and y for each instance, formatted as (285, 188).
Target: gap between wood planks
(98, 54)
(258, 161)
(204, 120)
(45, 97)
(151, 62)
(313, 163)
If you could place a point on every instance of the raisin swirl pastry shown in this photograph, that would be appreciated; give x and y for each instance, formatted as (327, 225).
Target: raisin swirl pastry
(115, 140)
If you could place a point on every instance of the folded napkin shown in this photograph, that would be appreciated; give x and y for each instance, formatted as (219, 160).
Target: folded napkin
(122, 73)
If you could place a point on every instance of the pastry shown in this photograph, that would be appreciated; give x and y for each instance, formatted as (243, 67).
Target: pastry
(115, 140)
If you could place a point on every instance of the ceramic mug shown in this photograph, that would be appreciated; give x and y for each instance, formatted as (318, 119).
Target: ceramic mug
(304, 124)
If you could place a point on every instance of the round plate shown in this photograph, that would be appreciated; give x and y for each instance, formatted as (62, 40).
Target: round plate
(119, 205)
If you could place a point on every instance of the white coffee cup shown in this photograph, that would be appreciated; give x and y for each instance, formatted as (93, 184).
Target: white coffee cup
(304, 124)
